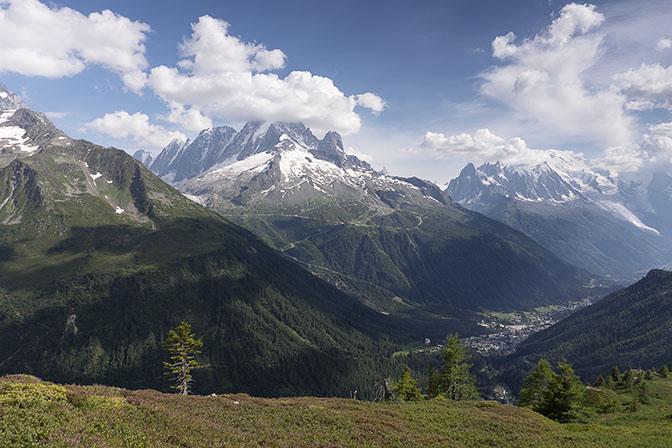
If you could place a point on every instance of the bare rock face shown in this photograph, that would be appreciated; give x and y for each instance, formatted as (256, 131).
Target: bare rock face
(9, 100)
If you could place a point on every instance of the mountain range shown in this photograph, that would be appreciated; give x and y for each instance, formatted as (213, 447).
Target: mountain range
(99, 258)
(584, 215)
(399, 244)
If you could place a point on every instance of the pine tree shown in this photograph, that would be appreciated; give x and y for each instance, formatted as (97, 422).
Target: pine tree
(564, 396)
(433, 382)
(536, 385)
(626, 379)
(615, 375)
(643, 392)
(456, 381)
(407, 388)
(183, 345)
(600, 382)
(663, 371)
(648, 375)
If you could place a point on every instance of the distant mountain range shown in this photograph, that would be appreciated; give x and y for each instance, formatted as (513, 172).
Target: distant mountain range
(581, 214)
(400, 244)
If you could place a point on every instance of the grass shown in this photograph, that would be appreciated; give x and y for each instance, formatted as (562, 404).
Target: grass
(36, 413)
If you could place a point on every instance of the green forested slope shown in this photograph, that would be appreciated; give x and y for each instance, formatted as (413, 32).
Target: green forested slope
(99, 259)
(631, 327)
(436, 257)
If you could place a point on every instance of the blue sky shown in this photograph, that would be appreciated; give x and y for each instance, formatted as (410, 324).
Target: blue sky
(418, 87)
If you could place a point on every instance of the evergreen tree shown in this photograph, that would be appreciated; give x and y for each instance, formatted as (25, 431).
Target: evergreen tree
(183, 345)
(600, 382)
(609, 382)
(663, 371)
(536, 385)
(456, 381)
(433, 382)
(564, 396)
(615, 375)
(627, 378)
(407, 388)
(648, 375)
(643, 392)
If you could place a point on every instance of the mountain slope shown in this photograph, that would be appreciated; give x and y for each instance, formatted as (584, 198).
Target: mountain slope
(401, 245)
(630, 327)
(582, 215)
(99, 259)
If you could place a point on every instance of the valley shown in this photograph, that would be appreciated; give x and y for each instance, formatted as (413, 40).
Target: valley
(508, 330)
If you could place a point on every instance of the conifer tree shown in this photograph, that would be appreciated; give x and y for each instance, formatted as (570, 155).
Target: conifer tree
(615, 375)
(536, 385)
(663, 371)
(183, 345)
(456, 381)
(626, 379)
(564, 396)
(600, 382)
(433, 382)
(407, 388)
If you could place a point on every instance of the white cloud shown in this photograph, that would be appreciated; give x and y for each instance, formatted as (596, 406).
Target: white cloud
(224, 77)
(542, 80)
(638, 160)
(371, 101)
(485, 146)
(121, 124)
(663, 44)
(56, 115)
(51, 42)
(648, 82)
(190, 119)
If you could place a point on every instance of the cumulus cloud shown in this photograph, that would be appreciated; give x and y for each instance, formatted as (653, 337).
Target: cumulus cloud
(650, 82)
(485, 146)
(371, 101)
(663, 43)
(222, 76)
(638, 160)
(189, 118)
(541, 79)
(137, 127)
(36, 39)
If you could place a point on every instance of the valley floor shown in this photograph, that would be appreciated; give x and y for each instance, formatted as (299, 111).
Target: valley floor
(35, 413)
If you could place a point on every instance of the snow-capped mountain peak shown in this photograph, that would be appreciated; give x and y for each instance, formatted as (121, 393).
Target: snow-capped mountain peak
(215, 148)
(9, 100)
(23, 131)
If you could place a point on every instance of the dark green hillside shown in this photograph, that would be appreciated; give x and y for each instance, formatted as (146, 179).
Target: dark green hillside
(440, 258)
(631, 327)
(100, 259)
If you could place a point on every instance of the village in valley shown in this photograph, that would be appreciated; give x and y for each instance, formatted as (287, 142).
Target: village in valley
(507, 330)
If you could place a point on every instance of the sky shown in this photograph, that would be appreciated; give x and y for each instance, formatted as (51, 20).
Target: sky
(418, 87)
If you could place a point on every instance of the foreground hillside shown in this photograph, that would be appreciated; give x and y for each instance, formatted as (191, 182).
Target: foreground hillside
(35, 413)
(630, 327)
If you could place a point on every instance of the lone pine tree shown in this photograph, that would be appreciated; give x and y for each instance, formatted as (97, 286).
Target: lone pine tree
(183, 345)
